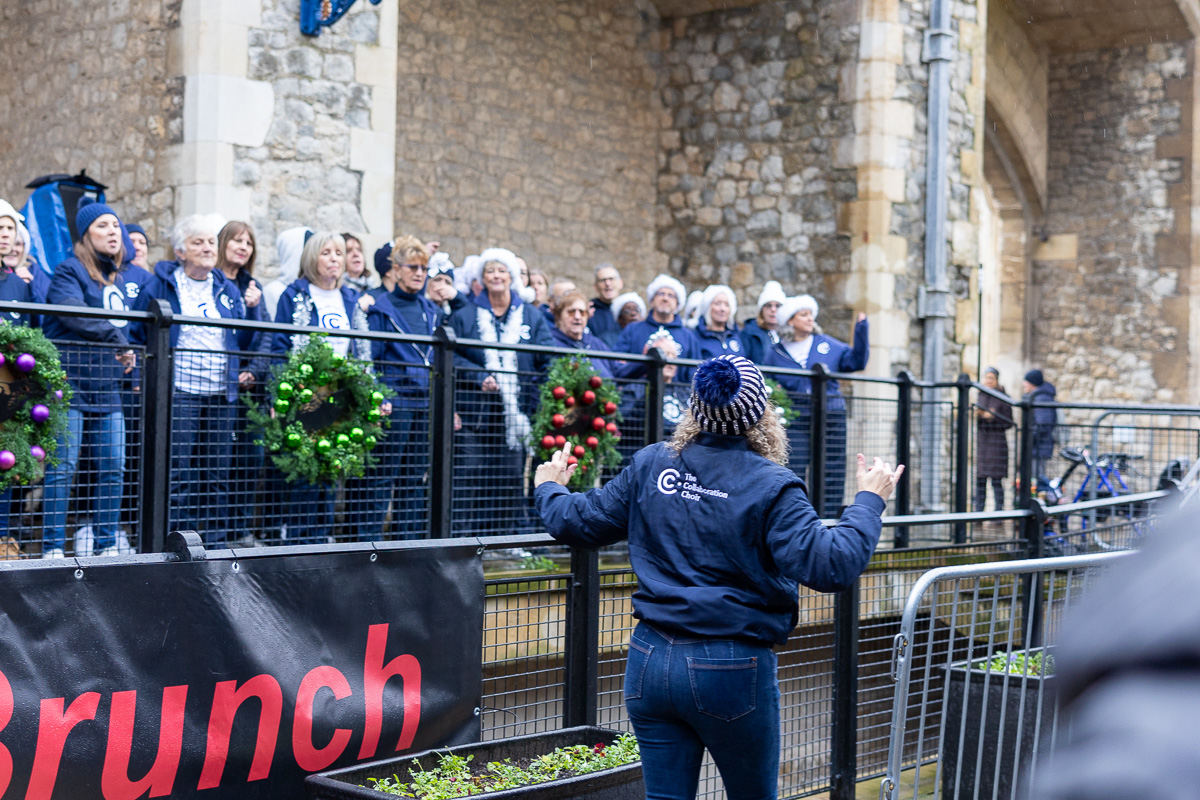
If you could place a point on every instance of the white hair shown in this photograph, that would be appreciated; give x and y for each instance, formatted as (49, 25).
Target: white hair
(195, 225)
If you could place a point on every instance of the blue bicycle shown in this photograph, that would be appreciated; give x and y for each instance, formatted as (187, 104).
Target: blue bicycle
(1111, 527)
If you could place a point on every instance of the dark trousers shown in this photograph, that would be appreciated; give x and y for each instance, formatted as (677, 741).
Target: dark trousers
(981, 492)
(799, 435)
(201, 443)
(399, 478)
(687, 694)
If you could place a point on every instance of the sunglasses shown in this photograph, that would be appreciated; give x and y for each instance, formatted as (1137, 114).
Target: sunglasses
(416, 267)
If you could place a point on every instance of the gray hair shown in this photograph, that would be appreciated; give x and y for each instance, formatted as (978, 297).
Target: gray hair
(605, 265)
(195, 225)
(312, 252)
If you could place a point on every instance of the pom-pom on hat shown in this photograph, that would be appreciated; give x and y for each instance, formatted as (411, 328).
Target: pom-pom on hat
(1034, 376)
(729, 395)
(439, 264)
(88, 212)
(625, 299)
(772, 292)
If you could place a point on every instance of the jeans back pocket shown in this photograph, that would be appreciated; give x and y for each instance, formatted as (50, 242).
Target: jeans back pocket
(724, 688)
(635, 668)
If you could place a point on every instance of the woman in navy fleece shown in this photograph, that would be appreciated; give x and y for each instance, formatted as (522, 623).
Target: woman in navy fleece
(720, 535)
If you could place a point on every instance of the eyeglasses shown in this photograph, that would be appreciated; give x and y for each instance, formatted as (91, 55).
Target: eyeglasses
(416, 267)
(575, 312)
(613, 279)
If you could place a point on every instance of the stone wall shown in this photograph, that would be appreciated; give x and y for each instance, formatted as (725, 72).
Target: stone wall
(1110, 286)
(87, 86)
(747, 192)
(532, 126)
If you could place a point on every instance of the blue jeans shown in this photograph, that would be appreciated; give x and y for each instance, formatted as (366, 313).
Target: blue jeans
(686, 694)
(201, 450)
(107, 434)
(398, 477)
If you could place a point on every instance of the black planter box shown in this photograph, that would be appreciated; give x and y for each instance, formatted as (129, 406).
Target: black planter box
(622, 783)
(1013, 745)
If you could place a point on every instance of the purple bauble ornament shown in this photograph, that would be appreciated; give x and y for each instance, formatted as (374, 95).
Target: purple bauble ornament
(37, 453)
(2, 359)
(26, 362)
(7, 460)
(57, 392)
(39, 413)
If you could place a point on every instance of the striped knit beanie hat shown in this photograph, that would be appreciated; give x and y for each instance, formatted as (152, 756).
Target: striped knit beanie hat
(728, 395)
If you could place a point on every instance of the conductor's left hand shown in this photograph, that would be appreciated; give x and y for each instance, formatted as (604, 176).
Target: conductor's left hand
(556, 469)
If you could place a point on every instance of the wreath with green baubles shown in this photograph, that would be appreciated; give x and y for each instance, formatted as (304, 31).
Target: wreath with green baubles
(580, 407)
(782, 402)
(327, 416)
(34, 395)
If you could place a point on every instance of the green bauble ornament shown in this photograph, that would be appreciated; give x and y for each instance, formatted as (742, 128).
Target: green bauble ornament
(338, 359)
(306, 395)
(293, 441)
(343, 440)
(370, 442)
(356, 434)
(323, 379)
(336, 465)
(282, 406)
(306, 370)
(285, 390)
(323, 446)
(374, 415)
(376, 398)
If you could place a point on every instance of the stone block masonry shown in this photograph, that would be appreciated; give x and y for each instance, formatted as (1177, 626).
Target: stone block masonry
(88, 86)
(1112, 323)
(532, 126)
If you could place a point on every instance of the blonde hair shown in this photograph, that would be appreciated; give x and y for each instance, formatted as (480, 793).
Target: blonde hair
(409, 250)
(766, 437)
(312, 253)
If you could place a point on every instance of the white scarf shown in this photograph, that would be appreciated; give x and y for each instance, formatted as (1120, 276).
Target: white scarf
(503, 366)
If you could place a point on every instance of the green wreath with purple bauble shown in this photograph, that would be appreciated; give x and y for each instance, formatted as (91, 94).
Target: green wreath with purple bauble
(34, 397)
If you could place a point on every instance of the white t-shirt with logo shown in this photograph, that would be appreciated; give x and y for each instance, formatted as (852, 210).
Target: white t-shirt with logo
(799, 350)
(199, 363)
(332, 312)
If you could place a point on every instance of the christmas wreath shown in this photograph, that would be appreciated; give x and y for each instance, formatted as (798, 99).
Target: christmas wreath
(34, 395)
(783, 403)
(580, 407)
(327, 415)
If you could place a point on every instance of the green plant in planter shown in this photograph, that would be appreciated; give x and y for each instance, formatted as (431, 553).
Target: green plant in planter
(454, 775)
(538, 563)
(1040, 663)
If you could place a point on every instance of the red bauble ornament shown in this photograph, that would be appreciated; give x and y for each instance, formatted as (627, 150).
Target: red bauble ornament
(559, 393)
(548, 442)
(593, 442)
(559, 441)
(579, 451)
(570, 401)
(583, 468)
(595, 382)
(572, 460)
(598, 423)
(612, 427)
(559, 420)
(589, 397)
(610, 408)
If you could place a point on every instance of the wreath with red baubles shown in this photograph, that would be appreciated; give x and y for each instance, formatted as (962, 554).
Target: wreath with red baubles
(580, 407)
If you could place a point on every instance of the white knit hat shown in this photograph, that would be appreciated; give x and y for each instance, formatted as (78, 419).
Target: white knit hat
(792, 305)
(508, 258)
(772, 292)
(470, 271)
(691, 309)
(625, 299)
(439, 264)
(6, 210)
(710, 294)
(667, 282)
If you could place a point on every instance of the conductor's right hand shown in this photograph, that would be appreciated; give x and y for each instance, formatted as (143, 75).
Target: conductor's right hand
(880, 478)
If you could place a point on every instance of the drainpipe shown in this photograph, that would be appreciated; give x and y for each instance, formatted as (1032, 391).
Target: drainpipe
(934, 301)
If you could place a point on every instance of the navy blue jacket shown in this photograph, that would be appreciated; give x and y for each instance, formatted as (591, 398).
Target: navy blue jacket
(229, 305)
(719, 537)
(466, 326)
(135, 278)
(398, 364)
(717, 343)
(94, 372)
(756, 342)
(15, 290)
(589, 343)
(602, 324)
(838, 356)
(1045, 419)
(285, 310)
(637, 334)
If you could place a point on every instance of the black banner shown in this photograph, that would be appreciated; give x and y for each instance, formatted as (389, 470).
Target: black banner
(233, 678)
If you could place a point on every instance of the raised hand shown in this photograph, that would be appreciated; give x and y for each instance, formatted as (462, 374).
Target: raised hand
(556, 469)
(880, 478)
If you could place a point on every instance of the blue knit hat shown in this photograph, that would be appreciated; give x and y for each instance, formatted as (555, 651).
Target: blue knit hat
(729, 395)
(383, 259)
(88, 211)
(1034, 376)
(137, 229)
